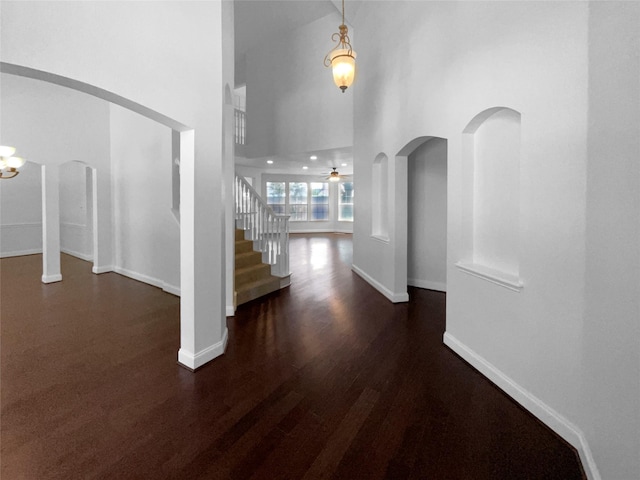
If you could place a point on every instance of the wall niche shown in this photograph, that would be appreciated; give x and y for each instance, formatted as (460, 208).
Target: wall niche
(491, 160)
(380, 197)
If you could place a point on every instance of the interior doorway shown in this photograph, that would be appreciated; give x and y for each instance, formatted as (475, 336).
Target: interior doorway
(420, 215)
(77, 204)
(427, 216)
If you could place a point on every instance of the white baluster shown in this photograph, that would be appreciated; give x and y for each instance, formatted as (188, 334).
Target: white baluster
(270, 231)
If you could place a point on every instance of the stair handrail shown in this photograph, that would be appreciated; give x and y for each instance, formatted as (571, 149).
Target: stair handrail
(268, 230)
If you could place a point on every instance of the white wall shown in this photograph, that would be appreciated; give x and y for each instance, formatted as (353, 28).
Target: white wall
(76, 201)
(427, 216)
(567, 345)
(163, 59)
(147, 235)
(459, 59)
(81, 130)
(610, 363)
(59, 127)
(21, 212)
(380, 197)
(496, 192)
(292, 103)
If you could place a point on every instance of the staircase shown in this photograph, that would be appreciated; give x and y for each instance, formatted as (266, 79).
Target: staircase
(253, 278)
(262, 246)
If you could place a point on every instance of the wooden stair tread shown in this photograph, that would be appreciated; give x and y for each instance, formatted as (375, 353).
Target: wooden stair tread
(258, 266)
(248, 254)
(251, 291)
(244, 260)
(253, 278)
(258, 283)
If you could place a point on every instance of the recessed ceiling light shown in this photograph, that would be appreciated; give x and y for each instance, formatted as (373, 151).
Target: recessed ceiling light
(344, 164)
(269, 162)
(313, 157)
(305, 167)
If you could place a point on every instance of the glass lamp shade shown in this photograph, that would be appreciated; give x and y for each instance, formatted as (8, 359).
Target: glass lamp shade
(343, 65)
(6, 151)
(9, 173)
(334, 178)
(15, 162)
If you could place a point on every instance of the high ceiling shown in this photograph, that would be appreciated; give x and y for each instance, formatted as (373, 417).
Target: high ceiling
(258, 21)
(295, 163)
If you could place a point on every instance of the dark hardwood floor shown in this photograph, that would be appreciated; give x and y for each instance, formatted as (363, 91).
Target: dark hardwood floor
(325, 379)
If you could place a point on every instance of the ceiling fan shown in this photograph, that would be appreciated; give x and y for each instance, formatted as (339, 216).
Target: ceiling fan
(335, 176)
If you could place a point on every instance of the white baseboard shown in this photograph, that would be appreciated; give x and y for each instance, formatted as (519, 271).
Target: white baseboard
(556, 422)
(394, 297)
(285, 281)
(193, 361)
(311, 230)
(138, 276)
(230, 311)
(20, 253)
(172, 289)
(156, 282)
(322, 230)
(52, 278)
(428, 284)
(81, 256)
(102, 269)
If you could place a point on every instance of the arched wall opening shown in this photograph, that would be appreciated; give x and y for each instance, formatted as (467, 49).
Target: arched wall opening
(491, 202)
(63, 230)
(77, 204)
(183, 149)
(399, 175)
(380, 197)
(427, 216)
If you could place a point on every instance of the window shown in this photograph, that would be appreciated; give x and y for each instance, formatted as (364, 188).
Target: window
(319, 201)
(345, 202)
(298, 201)
(276, 196)
(308, 201)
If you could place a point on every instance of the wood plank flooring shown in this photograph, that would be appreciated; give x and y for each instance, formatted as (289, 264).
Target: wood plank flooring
(325, 379)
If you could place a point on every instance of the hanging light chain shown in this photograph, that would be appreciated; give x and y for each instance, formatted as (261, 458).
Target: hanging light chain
(342, 40)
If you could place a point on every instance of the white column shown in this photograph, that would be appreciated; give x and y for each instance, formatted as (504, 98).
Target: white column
(89, 245)
(51, 224)
(203, 331)
(187, 350)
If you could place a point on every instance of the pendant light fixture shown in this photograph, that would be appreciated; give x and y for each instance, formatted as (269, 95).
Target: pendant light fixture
(342, 58)
(9, 164)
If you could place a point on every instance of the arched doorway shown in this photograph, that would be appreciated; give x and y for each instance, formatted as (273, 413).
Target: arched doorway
(78, 202)
(427, 216)
(433, 154)
(186, 148)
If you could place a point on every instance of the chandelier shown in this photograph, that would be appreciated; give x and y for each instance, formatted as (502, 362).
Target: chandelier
(9, 164)
(342, 58)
